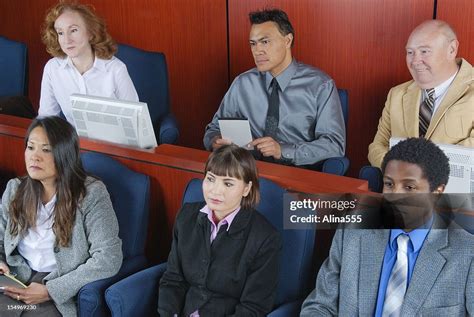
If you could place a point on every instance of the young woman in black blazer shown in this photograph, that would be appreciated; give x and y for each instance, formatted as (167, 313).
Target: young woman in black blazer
(224, 256)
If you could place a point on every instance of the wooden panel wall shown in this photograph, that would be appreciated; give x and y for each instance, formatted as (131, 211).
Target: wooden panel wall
(460, 14)
(192, 34)
(360, 44)
(21, 21)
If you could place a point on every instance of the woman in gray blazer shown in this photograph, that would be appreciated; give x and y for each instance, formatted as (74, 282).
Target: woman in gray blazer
(58, 230)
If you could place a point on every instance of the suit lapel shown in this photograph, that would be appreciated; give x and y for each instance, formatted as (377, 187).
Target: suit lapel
(240, 223)
(457, 89)
(429, 264)
(411, 107)
(372, 250)
(10, 242)
(205, 226)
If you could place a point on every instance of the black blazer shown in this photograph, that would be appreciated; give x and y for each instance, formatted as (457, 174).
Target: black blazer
(236, 275)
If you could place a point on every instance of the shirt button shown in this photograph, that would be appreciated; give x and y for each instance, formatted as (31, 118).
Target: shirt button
(56, 250)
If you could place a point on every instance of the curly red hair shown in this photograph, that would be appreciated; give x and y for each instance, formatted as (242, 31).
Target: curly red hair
(101, 42)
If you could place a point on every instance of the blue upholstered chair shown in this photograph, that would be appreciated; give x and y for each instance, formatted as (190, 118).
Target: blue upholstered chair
(13, 68)
(339, 165)
(129, 192)
(149, 74)
(373, 175)
(137, 295)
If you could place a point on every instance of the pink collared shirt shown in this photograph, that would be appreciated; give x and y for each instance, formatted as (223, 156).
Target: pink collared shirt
(227, 220)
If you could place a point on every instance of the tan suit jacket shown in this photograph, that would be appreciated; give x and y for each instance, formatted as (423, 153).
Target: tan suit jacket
(452, 123)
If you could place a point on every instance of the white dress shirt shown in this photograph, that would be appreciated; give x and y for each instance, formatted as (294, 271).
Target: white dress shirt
(37, 247)
(440, 92)
(106, 78)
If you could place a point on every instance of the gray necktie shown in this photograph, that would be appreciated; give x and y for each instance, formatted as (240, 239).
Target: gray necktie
(426, 111)
(397, 283)
(273, 114)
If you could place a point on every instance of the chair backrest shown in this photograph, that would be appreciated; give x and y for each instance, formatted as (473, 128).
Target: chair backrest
(130, 193)
(373, 175)
(149, 73)
(337, 165)
(13, 68)
(344, 97)
(295, 279)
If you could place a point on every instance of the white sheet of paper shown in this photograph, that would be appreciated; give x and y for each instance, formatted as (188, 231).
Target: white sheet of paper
(236, 130)
(394, 141)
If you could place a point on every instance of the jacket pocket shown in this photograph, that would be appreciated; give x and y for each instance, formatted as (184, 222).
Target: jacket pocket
(458, 121)
(451, 311)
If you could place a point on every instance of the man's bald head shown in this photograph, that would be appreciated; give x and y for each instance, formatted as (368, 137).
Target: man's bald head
(438, 26)
(431, 53)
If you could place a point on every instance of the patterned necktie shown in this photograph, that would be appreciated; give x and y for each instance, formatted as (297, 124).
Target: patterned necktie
(397, 283)
(273, 114)
(426, 111)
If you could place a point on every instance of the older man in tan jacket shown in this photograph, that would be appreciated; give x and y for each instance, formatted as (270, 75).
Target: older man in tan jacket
(438, 103)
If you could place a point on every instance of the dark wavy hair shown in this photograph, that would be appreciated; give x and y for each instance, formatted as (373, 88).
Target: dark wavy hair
(274, 15)
(70, 183)
(424, 153)
(101, 42)
(234, 161)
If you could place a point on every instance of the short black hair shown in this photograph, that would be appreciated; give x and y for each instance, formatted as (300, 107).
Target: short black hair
(424, 153)
(273, 15)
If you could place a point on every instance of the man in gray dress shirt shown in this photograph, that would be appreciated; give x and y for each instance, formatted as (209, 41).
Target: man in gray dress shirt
(310, 124)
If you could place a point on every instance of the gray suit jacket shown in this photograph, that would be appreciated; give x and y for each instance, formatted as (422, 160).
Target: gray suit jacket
(95, 251)
(442, 283)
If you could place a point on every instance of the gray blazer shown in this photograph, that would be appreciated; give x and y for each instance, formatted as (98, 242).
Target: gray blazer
(95, 251)
(442, 283)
